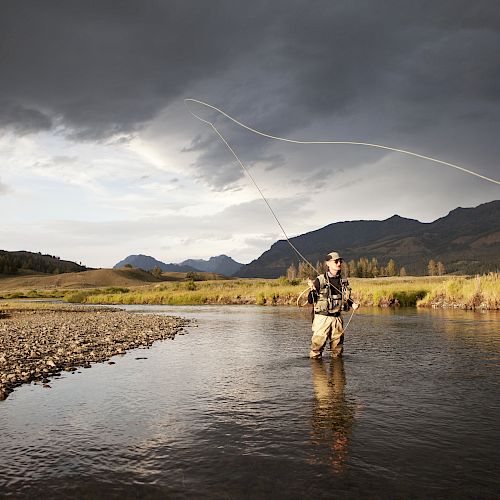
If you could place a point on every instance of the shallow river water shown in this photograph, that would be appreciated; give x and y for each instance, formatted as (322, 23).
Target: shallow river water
(235, 409)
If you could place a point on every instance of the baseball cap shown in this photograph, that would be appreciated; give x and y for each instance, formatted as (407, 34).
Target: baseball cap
(333, 256)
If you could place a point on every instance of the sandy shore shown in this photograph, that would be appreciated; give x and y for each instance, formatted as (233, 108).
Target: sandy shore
(39, 343)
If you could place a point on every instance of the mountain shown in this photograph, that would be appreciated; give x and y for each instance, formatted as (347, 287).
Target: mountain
(466, 241)
(147, 263)
(22, 262)
(222, 264)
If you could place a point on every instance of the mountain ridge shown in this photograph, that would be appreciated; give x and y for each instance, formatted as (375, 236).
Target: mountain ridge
(147, 263)
(466, 240)
(221, 264)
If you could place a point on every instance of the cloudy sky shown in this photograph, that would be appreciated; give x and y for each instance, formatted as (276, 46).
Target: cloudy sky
(100, 158)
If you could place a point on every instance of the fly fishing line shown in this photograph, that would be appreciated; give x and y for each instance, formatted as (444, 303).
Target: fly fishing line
(295, 141)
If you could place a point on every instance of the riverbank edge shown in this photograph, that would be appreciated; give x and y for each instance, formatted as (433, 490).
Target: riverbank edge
(39, 341)
(395, 299)
(480, 292)
(438, 303)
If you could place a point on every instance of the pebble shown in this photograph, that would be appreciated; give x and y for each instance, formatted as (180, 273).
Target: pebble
(40, 343)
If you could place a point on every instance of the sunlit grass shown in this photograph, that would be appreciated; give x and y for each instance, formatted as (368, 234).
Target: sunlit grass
(479, 292)
(437, 291)
(402, 291)
(259, 292)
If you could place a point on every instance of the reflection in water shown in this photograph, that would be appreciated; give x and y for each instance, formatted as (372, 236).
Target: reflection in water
(222, 413)
(332, 415)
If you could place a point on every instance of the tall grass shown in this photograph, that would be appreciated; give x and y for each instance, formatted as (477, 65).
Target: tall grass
(438, 291)
(369, 292)
(479, 292)
(207, 292)
(33, 294)
(404, 292)
(83, 294)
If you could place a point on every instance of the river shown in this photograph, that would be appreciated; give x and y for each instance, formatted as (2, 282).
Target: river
(235, 409)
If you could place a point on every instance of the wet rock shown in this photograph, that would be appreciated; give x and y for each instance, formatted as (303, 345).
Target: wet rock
(40, 343)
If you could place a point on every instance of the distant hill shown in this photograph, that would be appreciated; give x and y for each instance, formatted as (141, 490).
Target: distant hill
(466, 241)
(22, 262)
(222, 264)
(85, 279)
(147, 263)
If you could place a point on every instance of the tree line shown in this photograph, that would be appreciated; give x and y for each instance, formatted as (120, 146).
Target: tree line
(362, 268)
(12, 262)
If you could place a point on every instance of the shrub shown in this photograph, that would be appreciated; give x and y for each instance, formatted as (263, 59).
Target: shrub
(261, 299)
(115, 289)
(78, 296)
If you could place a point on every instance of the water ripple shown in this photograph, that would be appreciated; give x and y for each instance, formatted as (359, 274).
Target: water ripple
(236, 409)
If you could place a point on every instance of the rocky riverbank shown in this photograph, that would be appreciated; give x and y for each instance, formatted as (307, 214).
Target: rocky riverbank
(39, 343)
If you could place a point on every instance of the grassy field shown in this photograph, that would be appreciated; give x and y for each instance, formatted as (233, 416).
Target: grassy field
(482, 292)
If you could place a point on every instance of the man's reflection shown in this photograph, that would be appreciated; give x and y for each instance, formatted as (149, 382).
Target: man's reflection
(332, 416)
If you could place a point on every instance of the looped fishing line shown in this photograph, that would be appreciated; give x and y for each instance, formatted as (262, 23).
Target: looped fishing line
(294, 141)
(352, 143)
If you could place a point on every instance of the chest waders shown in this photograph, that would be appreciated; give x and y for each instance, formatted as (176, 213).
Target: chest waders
(329, 303)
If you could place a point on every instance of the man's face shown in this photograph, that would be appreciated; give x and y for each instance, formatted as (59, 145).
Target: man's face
(334, 265)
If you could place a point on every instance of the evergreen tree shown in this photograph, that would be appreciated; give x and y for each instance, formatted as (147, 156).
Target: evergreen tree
(156, 272)
(402, 271)
(440, 269)
(353, 270)
(432, 268)
(291, 272)
(320, 267)
(363, 265)
(391, 268)
(304, 271)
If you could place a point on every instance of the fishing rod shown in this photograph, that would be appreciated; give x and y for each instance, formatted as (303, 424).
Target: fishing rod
(250, 177)
(237, 158)
(295, 141)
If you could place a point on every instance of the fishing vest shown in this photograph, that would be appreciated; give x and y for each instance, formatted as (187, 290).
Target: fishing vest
(329, 303)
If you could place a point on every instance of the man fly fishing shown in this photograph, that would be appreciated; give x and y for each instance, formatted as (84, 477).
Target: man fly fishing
(330, 295)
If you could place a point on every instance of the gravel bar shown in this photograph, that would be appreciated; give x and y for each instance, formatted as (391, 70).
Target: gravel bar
(40, 343)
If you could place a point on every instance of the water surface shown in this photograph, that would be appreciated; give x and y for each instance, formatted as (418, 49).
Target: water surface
(235, 409)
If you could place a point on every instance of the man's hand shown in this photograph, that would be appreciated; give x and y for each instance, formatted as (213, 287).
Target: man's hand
(310, 283)
(355, 305)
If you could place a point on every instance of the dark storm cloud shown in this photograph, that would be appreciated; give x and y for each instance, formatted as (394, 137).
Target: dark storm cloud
(107, 67)
(421, 75)
(23, 120)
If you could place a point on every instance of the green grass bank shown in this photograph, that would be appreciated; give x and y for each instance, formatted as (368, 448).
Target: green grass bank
(479, 292)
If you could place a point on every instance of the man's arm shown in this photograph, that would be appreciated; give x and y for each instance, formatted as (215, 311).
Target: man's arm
(313, 290)
(350, 302)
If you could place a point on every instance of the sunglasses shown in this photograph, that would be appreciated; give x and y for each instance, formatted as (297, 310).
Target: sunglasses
(335, 260)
